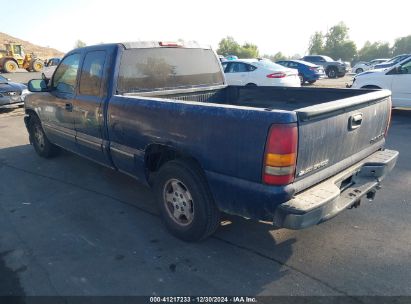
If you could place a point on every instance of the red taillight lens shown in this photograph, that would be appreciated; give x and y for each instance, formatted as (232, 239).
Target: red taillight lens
(167, 43)
(277, 75)
(280, 154)
(314, 69)
(389, 118)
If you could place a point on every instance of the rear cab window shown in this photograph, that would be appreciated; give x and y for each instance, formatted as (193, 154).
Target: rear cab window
(152, 69)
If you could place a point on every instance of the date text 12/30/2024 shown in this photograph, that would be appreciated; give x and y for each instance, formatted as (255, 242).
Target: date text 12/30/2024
(203, 300)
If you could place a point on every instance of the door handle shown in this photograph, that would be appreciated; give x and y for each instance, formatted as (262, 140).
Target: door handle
(69, 107)
(355, 121)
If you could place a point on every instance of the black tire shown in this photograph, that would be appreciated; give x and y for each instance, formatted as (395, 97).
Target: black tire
(311, 81)
(176, 182)
(10, 66)
(36, 65)
(250, 85)
(332, 72)
(302, 80)
(359, 70)
(38, 138)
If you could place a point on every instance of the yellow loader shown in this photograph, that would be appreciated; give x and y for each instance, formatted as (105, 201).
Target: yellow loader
(13, 57)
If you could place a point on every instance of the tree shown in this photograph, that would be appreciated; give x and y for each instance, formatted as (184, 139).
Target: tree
(228, 46)
(79, 44)
(335, 43)
(316, 45)
(248, 50)
(277, 57)
(402, 46)
(374, 50)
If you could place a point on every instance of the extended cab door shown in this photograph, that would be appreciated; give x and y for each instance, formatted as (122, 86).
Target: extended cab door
(88, 106)
(58, 106)
(401, 85)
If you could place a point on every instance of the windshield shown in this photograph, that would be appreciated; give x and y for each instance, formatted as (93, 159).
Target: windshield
(3, 80)
(168, 68)
(269, 65)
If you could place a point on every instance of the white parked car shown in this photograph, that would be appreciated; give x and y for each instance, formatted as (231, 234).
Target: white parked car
(255, 72)
(396, 78)
(363, 66)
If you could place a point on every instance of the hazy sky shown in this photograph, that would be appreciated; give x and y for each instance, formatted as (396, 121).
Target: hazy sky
(274, 26)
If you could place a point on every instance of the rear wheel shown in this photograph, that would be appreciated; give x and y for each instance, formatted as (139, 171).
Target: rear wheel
(10, 66)
(301, 79)
(250, 85)
(42, 145)
(332, 72)
(311, 81)
(185, 201)
(359, 70)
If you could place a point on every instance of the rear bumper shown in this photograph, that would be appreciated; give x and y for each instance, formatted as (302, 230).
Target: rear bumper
(325, 200)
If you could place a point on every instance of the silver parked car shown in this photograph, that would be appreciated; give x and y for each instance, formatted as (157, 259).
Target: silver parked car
(11, 93)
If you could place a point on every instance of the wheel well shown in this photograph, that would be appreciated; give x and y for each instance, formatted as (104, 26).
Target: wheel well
(31, 112)
(370, 87)
(251, 84)
(8, 59)
(157, 155)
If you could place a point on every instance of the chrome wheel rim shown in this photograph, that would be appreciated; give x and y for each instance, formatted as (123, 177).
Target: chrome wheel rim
(39, 137)
(178, 202)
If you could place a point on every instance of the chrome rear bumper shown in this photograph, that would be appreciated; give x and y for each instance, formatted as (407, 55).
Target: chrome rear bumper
(337, 193)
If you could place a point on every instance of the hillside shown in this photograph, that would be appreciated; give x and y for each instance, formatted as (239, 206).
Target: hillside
(40, 51)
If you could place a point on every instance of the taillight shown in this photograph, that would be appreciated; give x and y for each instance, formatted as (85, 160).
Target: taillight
(389, 118)
(167, 43)
(280, 154)
(314, 69)
(277, 75)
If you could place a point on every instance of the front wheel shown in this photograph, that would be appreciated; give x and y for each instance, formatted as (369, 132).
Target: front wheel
(185, 201)
(38, 138)
(311, 81)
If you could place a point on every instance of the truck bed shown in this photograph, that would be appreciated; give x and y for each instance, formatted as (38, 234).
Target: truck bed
(272, 98)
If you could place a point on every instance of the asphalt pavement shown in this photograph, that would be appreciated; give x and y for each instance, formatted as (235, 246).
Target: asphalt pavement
(72, 227)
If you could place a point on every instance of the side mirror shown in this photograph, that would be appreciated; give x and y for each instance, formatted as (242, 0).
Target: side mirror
(37, 85)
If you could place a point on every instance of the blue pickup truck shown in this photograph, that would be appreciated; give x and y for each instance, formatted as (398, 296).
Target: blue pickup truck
(162, 113)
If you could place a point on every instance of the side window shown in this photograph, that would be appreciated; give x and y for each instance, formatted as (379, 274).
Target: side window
(406, 67)
(92, 73)
(65, 76)
(238, 67)
(250, 68)
(293, 65)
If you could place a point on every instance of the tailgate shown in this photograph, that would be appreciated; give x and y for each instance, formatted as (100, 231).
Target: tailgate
(334, 135)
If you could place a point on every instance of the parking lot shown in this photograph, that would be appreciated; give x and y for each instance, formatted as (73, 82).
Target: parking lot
(72, 227)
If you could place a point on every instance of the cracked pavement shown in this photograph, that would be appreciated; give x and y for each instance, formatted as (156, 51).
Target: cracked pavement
(72, 227)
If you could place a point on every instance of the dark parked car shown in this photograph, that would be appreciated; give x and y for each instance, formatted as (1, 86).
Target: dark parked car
(392, 61)
(11, 93)
(164, 114)
(307, 71)
(332, 68)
